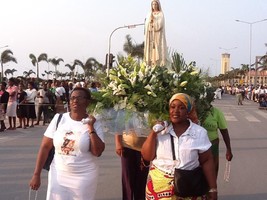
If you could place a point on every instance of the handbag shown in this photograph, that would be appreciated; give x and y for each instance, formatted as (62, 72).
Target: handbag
(189, 183)
(51, 153)
(35, 196)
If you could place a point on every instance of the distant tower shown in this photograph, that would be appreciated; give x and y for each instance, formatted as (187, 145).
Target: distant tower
(225, 63)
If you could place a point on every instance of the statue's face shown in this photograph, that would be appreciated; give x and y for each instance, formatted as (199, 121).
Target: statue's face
(155, 6)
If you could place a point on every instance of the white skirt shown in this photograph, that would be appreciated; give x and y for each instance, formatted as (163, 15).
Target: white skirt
(71, 186)
(11, 110)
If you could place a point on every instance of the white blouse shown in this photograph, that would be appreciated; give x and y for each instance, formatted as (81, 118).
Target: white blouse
(187, 147)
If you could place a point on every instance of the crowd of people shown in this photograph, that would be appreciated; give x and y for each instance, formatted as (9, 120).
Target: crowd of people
(25, 104)
(254, 93)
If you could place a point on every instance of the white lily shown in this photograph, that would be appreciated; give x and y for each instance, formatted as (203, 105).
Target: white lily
(183, 83)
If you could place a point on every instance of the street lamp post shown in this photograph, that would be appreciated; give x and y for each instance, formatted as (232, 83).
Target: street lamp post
(109, 41)
(250, 41)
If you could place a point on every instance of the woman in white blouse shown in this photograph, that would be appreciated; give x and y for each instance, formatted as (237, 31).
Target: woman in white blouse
(192, 147)
(30, 104)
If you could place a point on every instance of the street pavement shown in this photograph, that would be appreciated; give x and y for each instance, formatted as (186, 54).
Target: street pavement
(248, 176)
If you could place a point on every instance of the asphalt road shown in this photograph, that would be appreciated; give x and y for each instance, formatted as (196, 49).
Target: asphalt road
(248, 176)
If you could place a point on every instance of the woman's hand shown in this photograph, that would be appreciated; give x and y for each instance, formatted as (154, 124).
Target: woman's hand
(35, 182)
(213, 195)
(229, 155)
(91, 120)
(119, 150)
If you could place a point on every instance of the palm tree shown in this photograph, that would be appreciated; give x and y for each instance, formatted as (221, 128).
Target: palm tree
(79, 63)
(72, 68)
(48, 73)
(263, 61)
(56, 62)
(27, 74)
(6, 56)
(90, 68)
(135, 50)
(10, 71)
(35, 61)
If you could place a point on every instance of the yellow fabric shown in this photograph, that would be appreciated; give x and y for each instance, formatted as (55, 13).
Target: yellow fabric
(159, 185)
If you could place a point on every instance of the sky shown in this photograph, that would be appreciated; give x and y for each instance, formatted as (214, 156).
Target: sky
(200, 30)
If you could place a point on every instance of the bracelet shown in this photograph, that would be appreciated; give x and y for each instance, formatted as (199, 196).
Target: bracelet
(92, 132)
(213, 190)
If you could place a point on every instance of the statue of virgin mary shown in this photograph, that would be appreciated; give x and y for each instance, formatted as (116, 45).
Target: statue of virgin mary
(155, 51)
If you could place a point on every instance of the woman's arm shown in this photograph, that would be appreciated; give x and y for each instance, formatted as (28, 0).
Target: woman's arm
(148, 150)
(206, 161)
(118, 145)
(46, 146)
(226, 139)
(97, 146)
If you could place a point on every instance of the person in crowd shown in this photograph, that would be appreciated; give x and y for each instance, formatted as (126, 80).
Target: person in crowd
(98, 86)
(74, 170)
(43, 101)
(78, 84)
(60, 93)
(134, 168)
(155, 50)
(193, 151)
(4, 96)
(67, 92)
(51, 110)
(93, 87)
(30, 104)
(239, 97)
(218, 93)
(214, 122)
(11, 110)
(71, 87)
(21, 107)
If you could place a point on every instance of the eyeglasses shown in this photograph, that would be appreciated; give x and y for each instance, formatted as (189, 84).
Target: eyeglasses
(78, 98)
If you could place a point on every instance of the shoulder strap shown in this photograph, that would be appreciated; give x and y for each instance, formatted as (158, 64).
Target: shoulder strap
(173, 152)
(58, 119)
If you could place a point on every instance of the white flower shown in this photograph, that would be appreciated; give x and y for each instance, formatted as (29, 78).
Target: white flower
(194, 72)
(148, 87)
(183, 83)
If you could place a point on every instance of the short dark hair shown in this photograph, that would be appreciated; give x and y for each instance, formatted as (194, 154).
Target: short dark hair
(85, 91)
(31, 83)
(3, 83)
(12, 80)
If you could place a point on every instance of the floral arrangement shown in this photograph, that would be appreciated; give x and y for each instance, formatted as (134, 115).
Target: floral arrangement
(146, 90)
